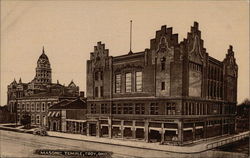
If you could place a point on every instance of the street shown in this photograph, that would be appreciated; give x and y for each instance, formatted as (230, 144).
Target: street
(15, 144)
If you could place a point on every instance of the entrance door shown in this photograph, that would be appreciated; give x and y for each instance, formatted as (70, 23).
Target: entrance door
(54, 126)
(105, 131)
(139, 133)
(127, 132)
(154, 136)
(92, 129)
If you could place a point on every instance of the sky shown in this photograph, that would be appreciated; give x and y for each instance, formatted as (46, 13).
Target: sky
(69, 30)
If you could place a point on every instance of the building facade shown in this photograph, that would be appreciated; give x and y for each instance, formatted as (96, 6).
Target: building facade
(173, 92)
(68, 116)
(38, 95)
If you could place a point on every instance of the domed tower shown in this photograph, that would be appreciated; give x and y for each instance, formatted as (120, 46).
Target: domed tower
(43, 70)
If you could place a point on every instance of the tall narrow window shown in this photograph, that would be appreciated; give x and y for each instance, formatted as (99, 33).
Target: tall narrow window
(93, 108)
(23, 107)
(101, 75)
(138, 79)
(162, 66)
(18, 107)
(163, 63)
(101, 89)
(96, 91)
(37, 107)
(168, 108)
(114, 109)
(32, 107)
(162, 85)
(142, 109)
(118, 83)
(154, 109)
(173, 109)
(32, 119)
(125, 108)
(96, 75)
(37, 119)
(128, 82)
(130, 108)
(139, 108)
(119, 108)
(43, 107)
(28, 107)
(104, 108)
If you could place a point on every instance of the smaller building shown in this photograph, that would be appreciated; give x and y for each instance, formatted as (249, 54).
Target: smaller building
(68, 116)
(5, 115)
(242, 117)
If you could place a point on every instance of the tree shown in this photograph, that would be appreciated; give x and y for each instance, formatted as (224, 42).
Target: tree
(26, 120)
(243, 109)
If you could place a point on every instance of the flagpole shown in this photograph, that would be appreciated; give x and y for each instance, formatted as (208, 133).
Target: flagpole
(130, 37)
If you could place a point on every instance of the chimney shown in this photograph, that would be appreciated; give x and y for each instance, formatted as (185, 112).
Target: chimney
(81, 94)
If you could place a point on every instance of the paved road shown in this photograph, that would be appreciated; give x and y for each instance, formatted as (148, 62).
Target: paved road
(13, 144)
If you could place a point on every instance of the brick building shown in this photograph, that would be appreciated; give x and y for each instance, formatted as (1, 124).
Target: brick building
(38, 95)
(172, 92)
(68, 116)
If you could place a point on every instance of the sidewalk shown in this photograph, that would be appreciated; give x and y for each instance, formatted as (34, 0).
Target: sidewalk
(187, 149)
(194, 148)
(17, 129)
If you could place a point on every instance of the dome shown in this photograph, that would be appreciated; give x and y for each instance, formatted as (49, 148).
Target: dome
(43, 59)
(43, 56)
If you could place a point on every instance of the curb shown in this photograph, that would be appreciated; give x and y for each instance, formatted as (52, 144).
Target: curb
(15, 130)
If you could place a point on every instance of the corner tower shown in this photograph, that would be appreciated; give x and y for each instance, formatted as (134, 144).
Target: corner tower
(43, 70)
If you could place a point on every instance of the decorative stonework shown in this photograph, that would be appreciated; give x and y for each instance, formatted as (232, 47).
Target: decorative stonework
(127, 67)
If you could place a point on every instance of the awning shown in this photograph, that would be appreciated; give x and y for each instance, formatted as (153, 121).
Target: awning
(52, 114)
(198, 127)
(155, 128)
(170, 129)
(57, 114)
(104, 125)
(187, 129)
(72, 120)
(49, 114)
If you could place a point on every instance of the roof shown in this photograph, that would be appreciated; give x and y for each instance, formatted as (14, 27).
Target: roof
(51, 93)
(66, 104)
(43, 55)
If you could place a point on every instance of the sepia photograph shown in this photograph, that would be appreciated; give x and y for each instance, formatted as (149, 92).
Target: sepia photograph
(124, 79)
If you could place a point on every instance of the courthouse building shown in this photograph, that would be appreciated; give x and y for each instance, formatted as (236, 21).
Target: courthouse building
(173, 92)
(34, 98)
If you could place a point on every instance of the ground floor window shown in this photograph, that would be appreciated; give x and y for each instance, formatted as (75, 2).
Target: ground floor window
(37, 119)
(104, 131)
(116, 132)
(154, 136)
(139, 133)
(32, 119)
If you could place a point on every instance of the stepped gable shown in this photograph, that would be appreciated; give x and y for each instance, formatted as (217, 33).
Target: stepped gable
(230, 63)
(99, 52)
(164, 39)
(195, 45)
